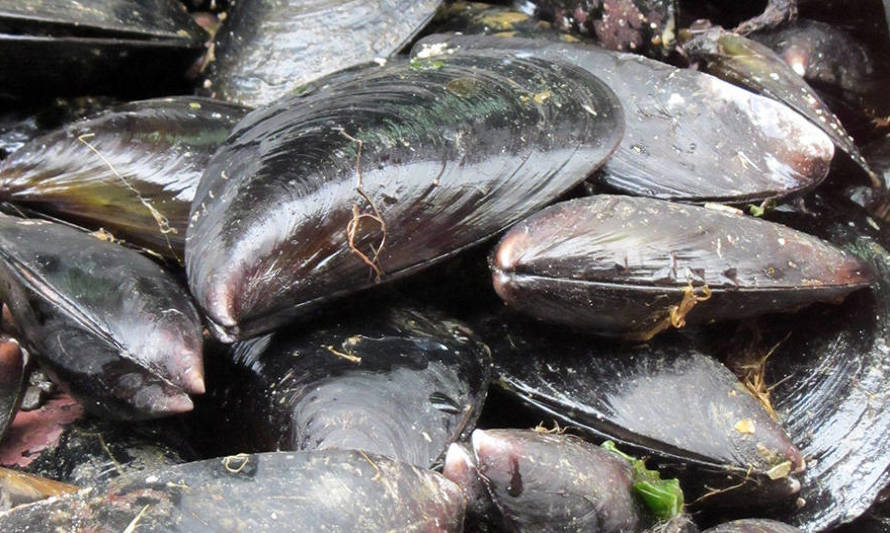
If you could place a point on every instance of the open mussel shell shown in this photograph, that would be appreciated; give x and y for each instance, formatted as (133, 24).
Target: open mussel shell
(264, 50)
(279, 492)
(12, 380)
(665, 400)
(377, 177)
(689, 135)
(754, 66)
(131, 171)
(829, 377)
(109, 324)
(633, 267)
(399, 381)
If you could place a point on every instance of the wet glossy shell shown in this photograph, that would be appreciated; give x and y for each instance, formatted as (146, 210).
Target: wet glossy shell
(267, 48)
(132, 19)
(633, 267)
(830, 379)
(399, 382)
(665, 399)
(752, 65)
(552, 483)
(280, 492)
(110, 325)
(689, 135)
(372, 179)
(132, 171)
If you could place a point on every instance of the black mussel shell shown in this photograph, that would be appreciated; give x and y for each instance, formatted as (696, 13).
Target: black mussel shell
(19, 122)
(132, 171)
(377, 177)
(12, 380)
(54, 47)
(752, 65)
(829, 377)
(264, 50)
(689, 136)
(551, 482)
(278, 492)
(823, 54)
(753, 525)
(109, 324)
(399, 382)
(666, 400)
(849, 78)
(34, 67)
(135, 19)
(642, 26)
(634, 267)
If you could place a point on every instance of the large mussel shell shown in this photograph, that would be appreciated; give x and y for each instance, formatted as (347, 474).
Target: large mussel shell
(108, 323)
(374, 178)
(281, 492)
(665, 400)
(633, 267)
(400, 382)
(689, 136)
(829, 377)
(132, 171)
(752, 65)
(265, 49)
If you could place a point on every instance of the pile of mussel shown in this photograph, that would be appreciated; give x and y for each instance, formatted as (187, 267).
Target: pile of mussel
(421, 265)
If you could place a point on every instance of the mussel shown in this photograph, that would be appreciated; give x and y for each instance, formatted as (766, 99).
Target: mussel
(749, 64)
(552, 482)
(266, 49)
(374, 178)
(689, 136)
(279, 492)
(55, 47)
(634, 267)
(109, 324)
(131, 171)
(396, 381)
(668, 400)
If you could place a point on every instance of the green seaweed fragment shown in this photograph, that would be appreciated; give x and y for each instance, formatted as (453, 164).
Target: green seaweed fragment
(663, 497)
